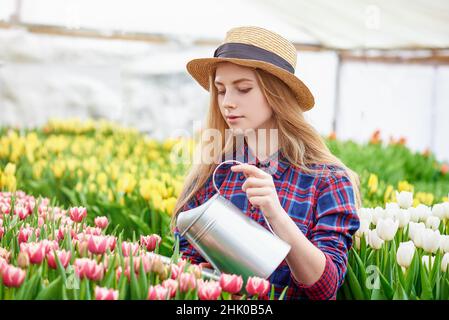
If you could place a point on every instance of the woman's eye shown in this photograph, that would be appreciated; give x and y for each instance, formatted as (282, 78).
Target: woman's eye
(245, 90)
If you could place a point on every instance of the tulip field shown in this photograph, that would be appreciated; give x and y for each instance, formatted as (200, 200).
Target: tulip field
(85, 211)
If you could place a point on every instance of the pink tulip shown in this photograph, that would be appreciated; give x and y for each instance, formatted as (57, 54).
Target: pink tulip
(24, 234)
(129, 248)
(13, 276)
(112, 241)
(21, 212)
(101, 222)
(35, 251)
(105, 294)
(50, 245)
(231, 283)
(187, 281)
(77, 214)
(175, 271)
(208, 290)
(157, 292)
(5, 208)
(92, 231)
(87, 268)
(63, 255)
(3, 265)
(97, 244)
(62, 232)
(171, 285)
(2, 232)
(150, 242)
(256, 285)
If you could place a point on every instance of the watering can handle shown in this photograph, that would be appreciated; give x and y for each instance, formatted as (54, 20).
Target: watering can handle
(218, 191)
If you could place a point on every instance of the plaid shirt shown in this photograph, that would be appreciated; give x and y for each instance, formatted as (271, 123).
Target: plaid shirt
(322, 205)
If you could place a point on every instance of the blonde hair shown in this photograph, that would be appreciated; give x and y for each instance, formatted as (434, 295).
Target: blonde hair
(301, 144)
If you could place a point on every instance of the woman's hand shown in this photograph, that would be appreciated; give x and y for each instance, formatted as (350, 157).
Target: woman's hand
(260, 189)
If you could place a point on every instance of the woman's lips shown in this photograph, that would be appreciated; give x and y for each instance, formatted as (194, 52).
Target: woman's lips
(234, 119)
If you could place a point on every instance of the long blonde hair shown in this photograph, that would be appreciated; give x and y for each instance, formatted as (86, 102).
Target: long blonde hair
(301, 144)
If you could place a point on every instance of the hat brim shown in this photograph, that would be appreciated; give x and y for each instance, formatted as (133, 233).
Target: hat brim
(200, 69)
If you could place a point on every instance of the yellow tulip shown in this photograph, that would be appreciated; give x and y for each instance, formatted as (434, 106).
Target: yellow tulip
(405, 186)
(373, 183)
(388, 193)
(169, 205)
(145, 189)
(126, 183)
(10, 169)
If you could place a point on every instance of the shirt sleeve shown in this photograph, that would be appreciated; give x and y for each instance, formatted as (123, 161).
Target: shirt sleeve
(336, 222)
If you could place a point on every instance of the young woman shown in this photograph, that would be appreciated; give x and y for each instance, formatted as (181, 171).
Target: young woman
(308, 196)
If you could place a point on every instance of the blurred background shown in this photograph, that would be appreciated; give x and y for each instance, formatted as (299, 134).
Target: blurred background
(372, 65)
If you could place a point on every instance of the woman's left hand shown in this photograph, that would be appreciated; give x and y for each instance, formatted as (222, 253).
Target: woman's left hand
(260, 189)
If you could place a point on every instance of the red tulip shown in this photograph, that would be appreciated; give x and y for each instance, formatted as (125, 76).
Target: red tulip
(105, 294)
(150, 242)
(171, 285)
(13, 276)
(231, 283)
(208, 290)
(98, 244)
(101, 222)
(77, 214)
(63, 255)
(256, 285)
(157, 292)
(187, 281)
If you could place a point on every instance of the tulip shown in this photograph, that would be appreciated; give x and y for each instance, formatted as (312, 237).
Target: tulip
(50, 245)
(5, 254)
(196, 270)
(387, 228)
(444, 243)
(105, 294)
(187, 281)
(129, 248)
(157, 292)
(101, 222)
(24, 234)
(13, 276)
(433, 222)
(35, 251)
(172, 286)
(404, 199)
(426, 260)
(77, 214)
(3, 265)
(175, 271)
(23, 260)
(446, 209)
(150, 242)
(92, 231)
(112, 241)
(444, 262)
(363, 228)
(374, 241)
(366, 214)
(424, 212)
(97, 244)
(63, 256)
(2, 232)
(21, 212)
(391, 206)
(87, 268)
(430, 240)
(403, 217)
(208, 290)
(231, 283)
(438, 210)
(404, 255)
(415, 214)
(256, 285)
(379, 213)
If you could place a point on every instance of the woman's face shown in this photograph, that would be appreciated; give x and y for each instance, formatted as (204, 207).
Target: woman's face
(239, 94)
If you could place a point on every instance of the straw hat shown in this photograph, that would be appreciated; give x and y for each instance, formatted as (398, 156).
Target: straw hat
(260, 48)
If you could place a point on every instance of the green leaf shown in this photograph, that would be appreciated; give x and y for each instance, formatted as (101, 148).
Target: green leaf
(354, 284)
(52, 292)
(400, 293)
(426, 292)
(362, 272)
(135, 290)
(281, 297)
(387, 289)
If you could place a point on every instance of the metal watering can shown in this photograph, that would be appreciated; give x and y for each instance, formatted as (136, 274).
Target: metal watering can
(229, 240)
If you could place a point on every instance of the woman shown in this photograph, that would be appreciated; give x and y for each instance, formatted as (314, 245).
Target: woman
(308, 196)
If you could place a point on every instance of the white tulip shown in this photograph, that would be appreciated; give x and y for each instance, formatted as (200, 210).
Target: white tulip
(404, 255)
(433, 222)
(403, 216)
(391, 213)
(444, 243)
(446, 209)
(424, 212)
(387, 228)
(364, 227)
(391, 206)
(414, 233)
(366, 214)
(404, 199)
(414, 214)
(438, 210)
(374, 241)
(377, 214)
(430, 240)
(444, 262)
(425, 261)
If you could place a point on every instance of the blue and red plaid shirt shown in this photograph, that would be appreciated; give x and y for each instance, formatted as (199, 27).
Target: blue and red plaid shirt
(321, 204)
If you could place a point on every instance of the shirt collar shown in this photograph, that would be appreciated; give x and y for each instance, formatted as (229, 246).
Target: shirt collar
(275, 164)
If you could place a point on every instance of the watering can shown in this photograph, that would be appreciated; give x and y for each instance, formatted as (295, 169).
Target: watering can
(229, 240)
